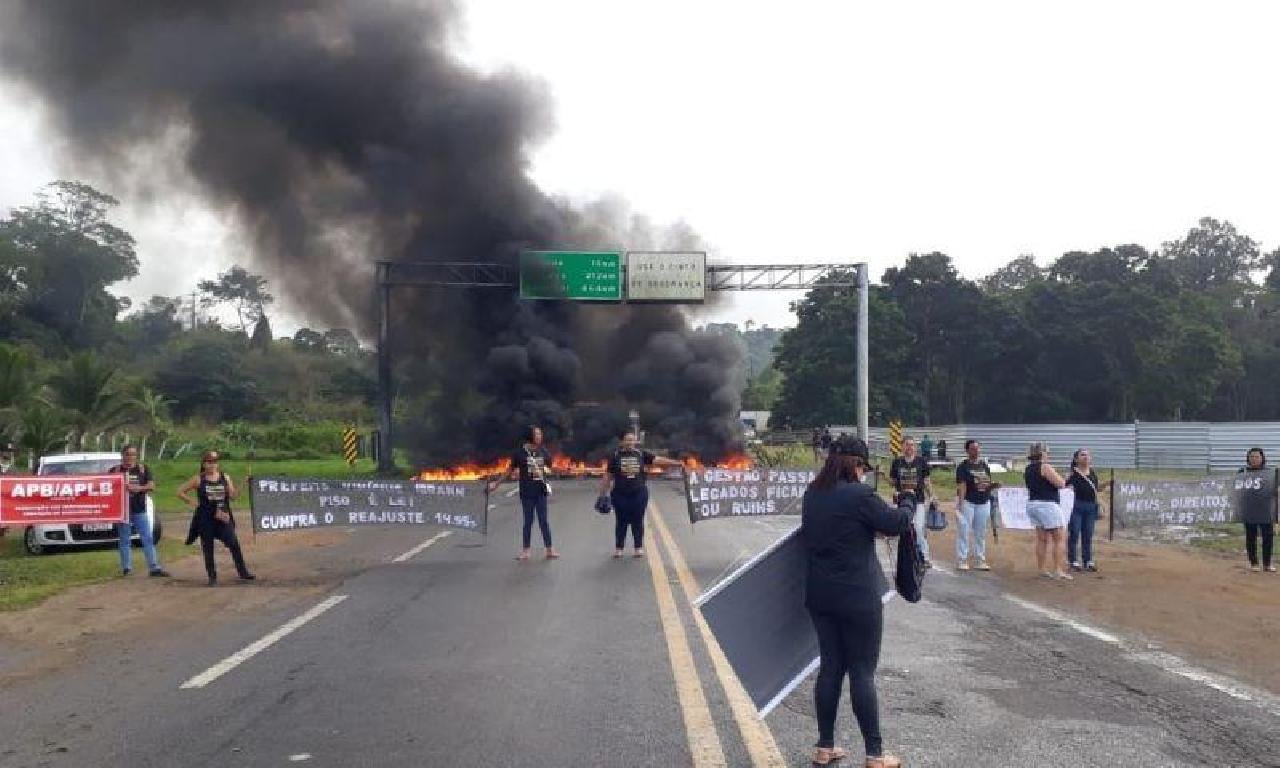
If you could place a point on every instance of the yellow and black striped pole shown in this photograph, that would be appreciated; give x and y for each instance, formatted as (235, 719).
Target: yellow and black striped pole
(349, 450)
(895, 438)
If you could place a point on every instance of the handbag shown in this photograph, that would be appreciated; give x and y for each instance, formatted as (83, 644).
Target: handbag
(908, 577)
(603, 505)
(936, 521)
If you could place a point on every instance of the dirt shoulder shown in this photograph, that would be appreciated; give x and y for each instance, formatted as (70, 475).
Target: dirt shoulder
(1204, 606)
(64, 629)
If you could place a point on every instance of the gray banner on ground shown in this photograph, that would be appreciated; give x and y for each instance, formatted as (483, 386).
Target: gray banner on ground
(1244, 497)
(292, 503)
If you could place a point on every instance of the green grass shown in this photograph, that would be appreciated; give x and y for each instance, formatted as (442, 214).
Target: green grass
(26, 580)
(1224, 538)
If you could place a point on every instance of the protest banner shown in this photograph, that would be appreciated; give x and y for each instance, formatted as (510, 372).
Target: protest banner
(714, 493)
(1244, 497)
(63, 499)
(1013, 507)
(290, 503)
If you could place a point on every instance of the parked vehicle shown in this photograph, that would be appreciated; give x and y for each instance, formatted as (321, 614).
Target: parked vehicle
(41, 539)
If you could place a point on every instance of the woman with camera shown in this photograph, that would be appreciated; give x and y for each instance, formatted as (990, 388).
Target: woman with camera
(840, 518)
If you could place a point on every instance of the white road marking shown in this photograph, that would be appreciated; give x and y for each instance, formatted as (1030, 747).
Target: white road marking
(1165, 661)
(512, 492)
(420, 547)
(248, 652)
(300, 758)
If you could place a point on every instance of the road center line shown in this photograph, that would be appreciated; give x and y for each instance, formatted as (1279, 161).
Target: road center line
(756, 735)
(248, 652)
(420, 547)
(704, 743)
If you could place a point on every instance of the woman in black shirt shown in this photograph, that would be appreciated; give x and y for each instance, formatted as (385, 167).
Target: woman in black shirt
(1084, 511)
(844, 585)
(531, 464)
(624, 486)
(1258, 523)
(212, 519)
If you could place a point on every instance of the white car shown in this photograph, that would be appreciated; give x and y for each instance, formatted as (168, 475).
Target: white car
(38, 539)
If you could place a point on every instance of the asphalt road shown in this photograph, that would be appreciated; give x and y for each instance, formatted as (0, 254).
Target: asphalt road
(461, 656)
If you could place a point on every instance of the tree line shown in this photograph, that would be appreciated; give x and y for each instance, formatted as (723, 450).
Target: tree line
(78, 361)
(1187, 331)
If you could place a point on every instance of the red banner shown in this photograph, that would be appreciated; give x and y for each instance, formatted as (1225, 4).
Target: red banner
(63, 499)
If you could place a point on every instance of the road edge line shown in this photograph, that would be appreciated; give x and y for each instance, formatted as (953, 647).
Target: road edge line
(700, 728)
(756, 734)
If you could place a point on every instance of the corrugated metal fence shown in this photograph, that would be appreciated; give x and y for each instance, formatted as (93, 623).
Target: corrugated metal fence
(1191, 445)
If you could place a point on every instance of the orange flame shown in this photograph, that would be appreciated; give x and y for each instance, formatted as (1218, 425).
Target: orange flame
(467, 471)
(564, 466)
(737, 461)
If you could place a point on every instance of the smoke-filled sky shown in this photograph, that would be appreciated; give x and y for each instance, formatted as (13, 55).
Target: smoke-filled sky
(810, 130)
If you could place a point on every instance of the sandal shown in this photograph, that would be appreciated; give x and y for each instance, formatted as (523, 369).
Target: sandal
(617, 553)
(639, 552)
(885, 761)
(827, 756)
(552, 554)
(524, 555)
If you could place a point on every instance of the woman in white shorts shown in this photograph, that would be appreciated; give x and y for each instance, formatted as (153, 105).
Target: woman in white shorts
(1043, 482)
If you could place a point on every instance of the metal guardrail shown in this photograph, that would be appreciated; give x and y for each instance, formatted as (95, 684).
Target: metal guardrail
(1190, 445)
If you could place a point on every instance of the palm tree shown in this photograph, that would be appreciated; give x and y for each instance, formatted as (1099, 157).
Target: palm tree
(151, 414)
(86, 387)
(42, 429)
(17, 384)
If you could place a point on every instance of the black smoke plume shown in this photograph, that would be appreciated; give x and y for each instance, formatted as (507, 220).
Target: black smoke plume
(338, 133)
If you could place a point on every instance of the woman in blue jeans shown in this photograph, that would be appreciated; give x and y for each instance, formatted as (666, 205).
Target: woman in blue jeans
(1084, 512)
(531, 464)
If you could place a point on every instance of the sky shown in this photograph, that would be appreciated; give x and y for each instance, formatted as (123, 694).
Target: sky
(847, 131)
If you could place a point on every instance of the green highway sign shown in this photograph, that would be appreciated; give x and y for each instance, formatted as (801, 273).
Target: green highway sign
(576, 275)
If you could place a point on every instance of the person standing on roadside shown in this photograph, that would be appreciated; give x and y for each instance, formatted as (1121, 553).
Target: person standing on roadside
(140, 484)
(973, 504)
(926, 448)
(1043, 483)
(212, 519)
(910, 475)
(624, 486)
(531, 464)
(817, 444)
(839, 521)
(1084, 511)
(1254, 527)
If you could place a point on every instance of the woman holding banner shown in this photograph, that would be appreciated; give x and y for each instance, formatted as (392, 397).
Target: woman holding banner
(624, 488)
(531, 463)
(212, 520)
(844, 586)
(1257, 512)
(1043, 483)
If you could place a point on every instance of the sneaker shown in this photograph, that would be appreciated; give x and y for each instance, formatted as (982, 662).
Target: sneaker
(159, 573)
(1075, 566)
(213, 581)
(125, 572)
(1271, 569)
(982, 565)
(1046, 575)
(963, 565)
(1253, 567)
(246, 576)
(1064, 576)
(1091, 567)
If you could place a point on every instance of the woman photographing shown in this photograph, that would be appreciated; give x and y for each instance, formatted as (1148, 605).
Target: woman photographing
(1084, 511)
(1043, 483)
(624, 485)
(840, 518)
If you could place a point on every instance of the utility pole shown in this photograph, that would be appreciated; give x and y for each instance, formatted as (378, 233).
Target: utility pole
(863, 356)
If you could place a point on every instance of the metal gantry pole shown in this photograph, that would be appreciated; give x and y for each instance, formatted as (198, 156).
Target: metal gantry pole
(386, 461)
(863, 357)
